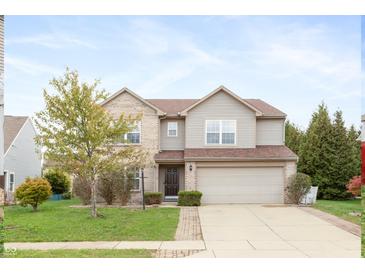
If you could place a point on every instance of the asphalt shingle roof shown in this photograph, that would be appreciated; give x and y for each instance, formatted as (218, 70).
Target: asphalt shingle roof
(173, 106)
(12, 126)
(260, 152)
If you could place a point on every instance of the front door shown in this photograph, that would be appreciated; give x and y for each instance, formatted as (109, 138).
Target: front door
(172, 181)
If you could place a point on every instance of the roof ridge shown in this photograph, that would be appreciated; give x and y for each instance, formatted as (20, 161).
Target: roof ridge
(172, 99)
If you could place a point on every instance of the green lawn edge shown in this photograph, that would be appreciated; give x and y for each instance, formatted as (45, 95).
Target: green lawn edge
(341, 209)
(79, 253)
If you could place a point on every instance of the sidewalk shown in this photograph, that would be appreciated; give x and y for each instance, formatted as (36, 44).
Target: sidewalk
(152, 245)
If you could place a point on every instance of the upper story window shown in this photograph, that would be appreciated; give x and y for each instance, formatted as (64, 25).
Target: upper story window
(134, 136)
(172, 129)
(220, 132)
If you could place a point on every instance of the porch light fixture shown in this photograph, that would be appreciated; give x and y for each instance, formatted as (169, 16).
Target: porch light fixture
(191, 167)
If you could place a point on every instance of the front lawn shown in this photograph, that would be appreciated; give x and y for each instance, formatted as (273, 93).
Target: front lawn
(341, 209)
(56, 221)
(81, 253)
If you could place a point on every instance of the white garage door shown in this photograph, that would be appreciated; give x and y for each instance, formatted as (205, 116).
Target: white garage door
(241, 185)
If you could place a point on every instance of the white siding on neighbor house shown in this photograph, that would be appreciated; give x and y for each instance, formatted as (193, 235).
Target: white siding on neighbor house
(270, 131)
(221, 106)
(22, 157)
(169, 142)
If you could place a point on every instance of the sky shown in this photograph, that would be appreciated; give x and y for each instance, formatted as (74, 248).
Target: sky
(291, 62)
(363, 64)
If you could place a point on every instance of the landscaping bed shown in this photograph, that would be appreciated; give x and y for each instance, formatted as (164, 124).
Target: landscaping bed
(81, 253)
(56, 221)
(346, 210)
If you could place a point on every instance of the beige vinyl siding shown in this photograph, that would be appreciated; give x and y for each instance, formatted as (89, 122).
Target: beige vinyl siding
(270, 132)
(172, 143)
(128, 104)
(221, 106)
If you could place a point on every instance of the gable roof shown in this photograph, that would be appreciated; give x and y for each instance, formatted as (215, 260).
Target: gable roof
(172, 106)
(175, 107)
(226, 90)
(125, 89)
(12, 127)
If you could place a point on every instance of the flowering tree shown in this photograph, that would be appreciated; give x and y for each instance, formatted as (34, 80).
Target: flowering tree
(354, 186)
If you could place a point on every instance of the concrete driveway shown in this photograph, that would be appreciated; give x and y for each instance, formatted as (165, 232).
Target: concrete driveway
(271, 231)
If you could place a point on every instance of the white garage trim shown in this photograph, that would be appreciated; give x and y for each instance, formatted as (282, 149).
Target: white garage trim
(240, 164)
(250, 184)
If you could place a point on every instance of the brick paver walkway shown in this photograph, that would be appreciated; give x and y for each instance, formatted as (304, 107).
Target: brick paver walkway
(175, 253)
(188, 228)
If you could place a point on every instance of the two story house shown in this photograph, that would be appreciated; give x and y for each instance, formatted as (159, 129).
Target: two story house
(231, 149)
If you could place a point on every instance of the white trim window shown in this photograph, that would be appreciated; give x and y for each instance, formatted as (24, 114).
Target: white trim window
(212, 129)
(172, 129)
(220, 132)
(134, 136)
(11, 181)
(137, 179)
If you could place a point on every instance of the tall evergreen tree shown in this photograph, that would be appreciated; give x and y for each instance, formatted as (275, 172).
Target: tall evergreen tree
(340, 168)
(315, 151)
(293, 136)
(355, 144)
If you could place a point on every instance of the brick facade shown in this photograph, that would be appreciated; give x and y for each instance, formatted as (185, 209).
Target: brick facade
(290, 168)
(190, 176)
(128, 104)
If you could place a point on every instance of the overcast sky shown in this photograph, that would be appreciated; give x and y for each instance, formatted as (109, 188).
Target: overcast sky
(292, 62)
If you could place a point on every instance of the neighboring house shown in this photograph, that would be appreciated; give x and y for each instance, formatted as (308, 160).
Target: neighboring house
(21, 159)
(1, 113)
(231, 149)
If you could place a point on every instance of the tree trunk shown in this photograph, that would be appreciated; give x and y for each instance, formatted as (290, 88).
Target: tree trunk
(94, 212)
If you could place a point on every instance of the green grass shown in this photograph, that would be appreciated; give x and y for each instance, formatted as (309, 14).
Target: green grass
(341, 208)
(56, 221)
(82, 253)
